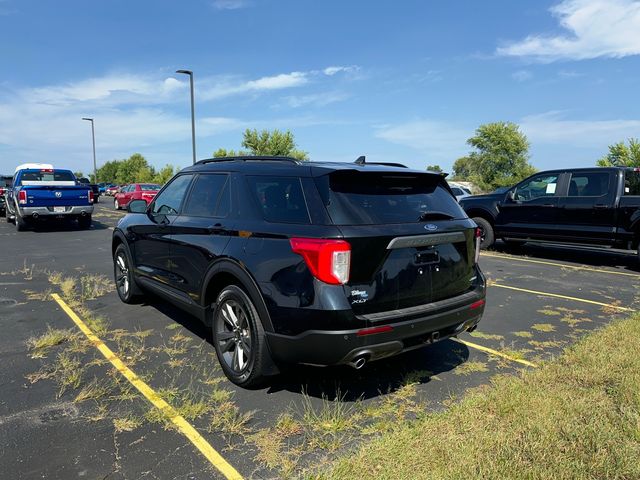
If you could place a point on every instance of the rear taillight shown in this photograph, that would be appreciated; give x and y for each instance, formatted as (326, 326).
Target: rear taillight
(328, 260)
(22, 197)
(1, 191)
(90, 196)
(478, 239)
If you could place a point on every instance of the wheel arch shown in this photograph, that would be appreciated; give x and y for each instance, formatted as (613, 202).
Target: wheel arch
(229, 272)
(482, 213)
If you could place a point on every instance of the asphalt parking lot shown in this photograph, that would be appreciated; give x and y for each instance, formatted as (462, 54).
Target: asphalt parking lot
(66, 412)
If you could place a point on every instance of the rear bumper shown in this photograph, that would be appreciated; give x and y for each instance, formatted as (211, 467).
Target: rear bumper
(336, 347)
(44, 212)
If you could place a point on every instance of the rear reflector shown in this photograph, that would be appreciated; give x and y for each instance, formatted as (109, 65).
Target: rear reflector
(477, 304)
(478, 240)
(328, 260)
(90, 196)
(374, 330)
(22, 197)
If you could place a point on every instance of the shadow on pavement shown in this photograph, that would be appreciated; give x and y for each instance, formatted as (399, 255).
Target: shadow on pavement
(380, 377)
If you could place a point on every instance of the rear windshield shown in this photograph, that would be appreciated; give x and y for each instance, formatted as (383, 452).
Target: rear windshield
(29, 177)
(149, 187)
(280, 198)
(361, 198)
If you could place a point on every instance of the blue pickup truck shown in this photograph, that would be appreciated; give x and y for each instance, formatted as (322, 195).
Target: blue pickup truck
(41, 192)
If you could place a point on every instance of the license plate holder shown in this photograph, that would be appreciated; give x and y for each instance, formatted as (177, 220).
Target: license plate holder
(59, 209)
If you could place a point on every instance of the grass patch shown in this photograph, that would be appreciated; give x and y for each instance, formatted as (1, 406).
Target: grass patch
(523, 334)
(575, 417)
(549, 312)
(40, 346)
(127, 424)
(543, 327)
(469, 367)
(486, 336)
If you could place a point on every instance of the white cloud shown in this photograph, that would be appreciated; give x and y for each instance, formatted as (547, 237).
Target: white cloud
(595, 28)
(554, 128)
(330, 71)
(522, 75)
(437, 140)
(230, 4)
(315, 99)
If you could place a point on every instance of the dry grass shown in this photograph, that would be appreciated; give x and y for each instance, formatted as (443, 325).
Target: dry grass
(469, 367)
(486, 336)
(575, 417)
(544, 327)
(40, 346)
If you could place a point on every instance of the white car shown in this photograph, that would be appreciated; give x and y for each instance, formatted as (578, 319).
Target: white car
(459, 191)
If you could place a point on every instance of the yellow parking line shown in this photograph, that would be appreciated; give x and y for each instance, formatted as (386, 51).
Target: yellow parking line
(170, 413)
(566, 297)
(491, 351)
(554, 264)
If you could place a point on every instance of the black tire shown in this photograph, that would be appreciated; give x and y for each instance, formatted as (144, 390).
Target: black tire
(21, 224)
(487, 238)
(237, 328)
(126, 285)
(84, 222)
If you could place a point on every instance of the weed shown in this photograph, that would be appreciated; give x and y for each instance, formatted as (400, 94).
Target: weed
(126, 424)
(287, 426)
(471, 366)
(40, 346)
(486, 336)
(228, 420)
(523, 334)
(549, 312)
(543, 327)
(94, 390)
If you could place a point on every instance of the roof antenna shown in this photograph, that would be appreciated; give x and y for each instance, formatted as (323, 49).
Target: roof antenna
(360, 160)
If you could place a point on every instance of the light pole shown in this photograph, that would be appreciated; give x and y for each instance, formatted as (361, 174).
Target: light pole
(193, 115)
(93, 139)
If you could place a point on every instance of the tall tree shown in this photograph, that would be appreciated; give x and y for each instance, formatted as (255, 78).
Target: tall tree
(109, 171)
(621, 155)
(500, 156)
(265, 142)
(134, 169)
(434, 168)
(165, 174)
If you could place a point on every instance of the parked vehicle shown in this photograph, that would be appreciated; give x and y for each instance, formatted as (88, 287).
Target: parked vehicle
(103, 187)
(5, 184)
(94, 188)
(316, 263)
(459, 191)
(135, 191)
(594, 206)
(112, 190)
(47, 194)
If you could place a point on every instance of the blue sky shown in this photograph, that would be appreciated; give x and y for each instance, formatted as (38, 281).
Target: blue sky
(399, 81)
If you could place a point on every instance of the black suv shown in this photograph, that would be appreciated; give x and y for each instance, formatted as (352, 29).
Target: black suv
(306, 262)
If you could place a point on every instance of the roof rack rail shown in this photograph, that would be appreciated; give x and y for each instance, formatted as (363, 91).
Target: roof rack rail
(362, 160)
(249, 158)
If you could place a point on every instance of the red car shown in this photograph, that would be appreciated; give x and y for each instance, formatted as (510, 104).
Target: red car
(135, 191)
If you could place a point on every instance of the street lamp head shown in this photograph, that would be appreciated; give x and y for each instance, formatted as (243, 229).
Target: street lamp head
(186, 72)
(90, 119)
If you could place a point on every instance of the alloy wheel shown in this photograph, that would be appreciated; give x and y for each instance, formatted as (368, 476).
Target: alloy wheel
(233, 334)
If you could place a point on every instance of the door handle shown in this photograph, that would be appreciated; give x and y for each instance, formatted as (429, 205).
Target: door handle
(217, 228)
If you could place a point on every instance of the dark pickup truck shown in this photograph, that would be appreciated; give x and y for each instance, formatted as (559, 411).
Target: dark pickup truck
(592, 206)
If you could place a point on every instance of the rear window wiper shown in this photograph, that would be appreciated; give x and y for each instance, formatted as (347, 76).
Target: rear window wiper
(435, 215)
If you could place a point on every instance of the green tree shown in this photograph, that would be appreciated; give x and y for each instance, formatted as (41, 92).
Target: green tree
(500, 158)
(109, 171)
(78, 174)
(621, 155)
(265, 142)
(134, 169)
(165, 174)
(434, 168)
(462, 168)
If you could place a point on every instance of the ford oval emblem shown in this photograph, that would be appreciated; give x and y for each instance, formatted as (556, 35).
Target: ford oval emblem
(58, 194)
(431, 227)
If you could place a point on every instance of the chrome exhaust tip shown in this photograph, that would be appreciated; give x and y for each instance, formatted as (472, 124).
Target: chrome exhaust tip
(358, 362)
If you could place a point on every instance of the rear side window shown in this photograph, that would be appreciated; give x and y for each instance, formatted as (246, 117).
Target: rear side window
(147, 187)
(280, 198)
(632, 183)
(361, 198)
(206, 196)
(589, 184)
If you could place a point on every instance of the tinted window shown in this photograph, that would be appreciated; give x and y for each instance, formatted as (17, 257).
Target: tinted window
(169, 200)
(280, 198)
(358, 198)
(632, 183)
(47, 176)
(205, 196)
(590, 184)
(543, 185)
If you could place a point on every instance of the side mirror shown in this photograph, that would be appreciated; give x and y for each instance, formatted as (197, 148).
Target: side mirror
(511, 195)
(137, 206)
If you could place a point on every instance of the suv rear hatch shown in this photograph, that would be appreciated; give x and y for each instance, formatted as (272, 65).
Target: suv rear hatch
(411, 243)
